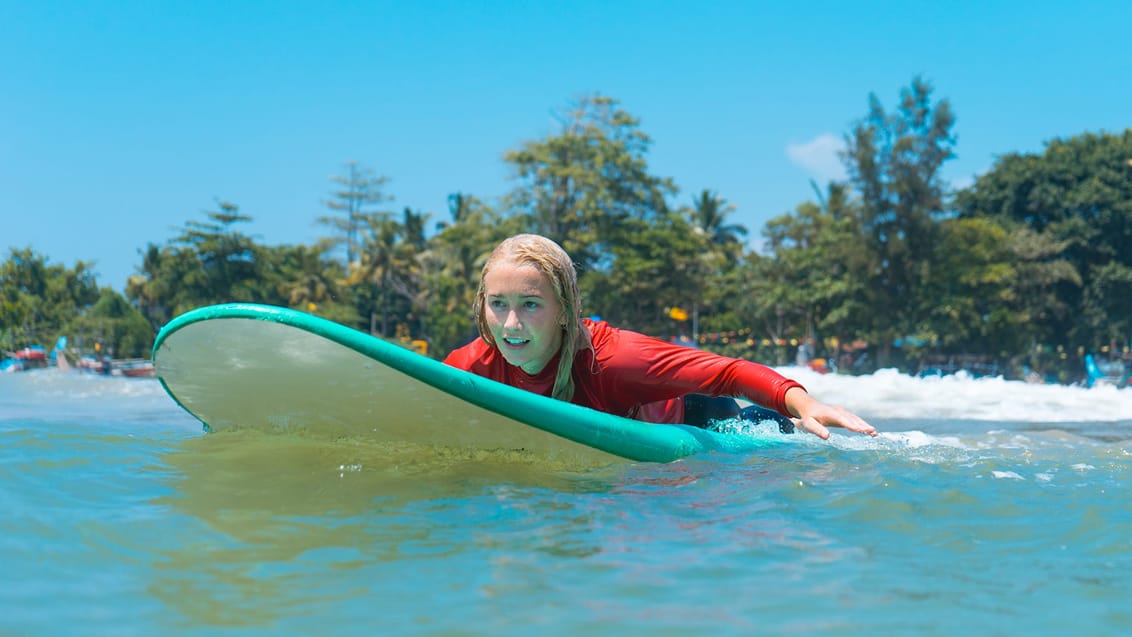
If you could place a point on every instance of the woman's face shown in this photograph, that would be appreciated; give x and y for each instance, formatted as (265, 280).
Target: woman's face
(524, 315)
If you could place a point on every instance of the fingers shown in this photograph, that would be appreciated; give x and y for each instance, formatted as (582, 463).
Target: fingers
(813, 426)
(853, 422)
(817, 423)
(863, 427)
(860, 426)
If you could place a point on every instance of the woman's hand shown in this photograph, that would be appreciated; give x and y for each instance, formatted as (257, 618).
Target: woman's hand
(814, 416)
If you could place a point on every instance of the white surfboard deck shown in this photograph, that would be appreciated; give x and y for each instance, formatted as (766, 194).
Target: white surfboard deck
(240, 366)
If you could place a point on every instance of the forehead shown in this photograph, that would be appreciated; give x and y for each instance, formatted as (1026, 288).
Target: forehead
(508, 278)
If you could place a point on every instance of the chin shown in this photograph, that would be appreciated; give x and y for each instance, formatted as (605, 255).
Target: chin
(514, 362)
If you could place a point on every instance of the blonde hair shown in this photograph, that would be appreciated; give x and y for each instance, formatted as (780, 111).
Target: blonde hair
(550, 259)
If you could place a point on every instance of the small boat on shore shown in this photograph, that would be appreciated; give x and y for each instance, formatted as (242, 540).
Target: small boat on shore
(133, 368)
(33, 357)
(38, 357)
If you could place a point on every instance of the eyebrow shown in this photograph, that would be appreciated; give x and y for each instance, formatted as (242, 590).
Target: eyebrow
(535, 295)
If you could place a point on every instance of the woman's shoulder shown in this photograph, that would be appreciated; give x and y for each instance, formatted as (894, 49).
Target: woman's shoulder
(608, 334)
(611, 342)
(602, 334)
(465, 357)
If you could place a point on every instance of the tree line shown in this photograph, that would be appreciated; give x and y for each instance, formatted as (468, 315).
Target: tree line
(1030, 266)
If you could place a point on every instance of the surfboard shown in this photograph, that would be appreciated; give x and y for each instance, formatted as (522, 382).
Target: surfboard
(273, 369)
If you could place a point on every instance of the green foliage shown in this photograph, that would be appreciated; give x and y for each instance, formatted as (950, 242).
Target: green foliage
(386, 276)
(1075, 202)
(894, 161)
(209, 262)
(307, 279)
(118, 326)
(972, 284)
(812, 282)
(38, 298)
(578, 187)
(655, 266)
(709, 215)
(359, 190)
(1107, 303)
(1030, 264)
(451, 268)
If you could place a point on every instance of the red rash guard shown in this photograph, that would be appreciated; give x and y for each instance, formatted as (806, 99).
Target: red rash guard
(636, 375)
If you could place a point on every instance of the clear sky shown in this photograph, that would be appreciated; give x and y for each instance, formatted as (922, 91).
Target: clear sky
(123, 119)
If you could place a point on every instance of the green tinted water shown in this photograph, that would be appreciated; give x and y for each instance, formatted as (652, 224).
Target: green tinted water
(121, 518)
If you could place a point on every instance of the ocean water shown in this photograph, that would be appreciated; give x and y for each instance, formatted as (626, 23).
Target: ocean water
(986, 507)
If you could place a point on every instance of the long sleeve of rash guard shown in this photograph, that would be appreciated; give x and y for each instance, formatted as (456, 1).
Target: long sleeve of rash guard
(629, 358)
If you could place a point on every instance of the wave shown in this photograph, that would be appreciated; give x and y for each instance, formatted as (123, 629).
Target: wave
(881, 397)
(889, 394)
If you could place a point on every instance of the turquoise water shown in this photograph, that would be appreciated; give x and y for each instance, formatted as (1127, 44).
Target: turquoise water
(985, 508)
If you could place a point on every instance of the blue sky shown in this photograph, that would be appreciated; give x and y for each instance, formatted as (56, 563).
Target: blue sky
(121, 120)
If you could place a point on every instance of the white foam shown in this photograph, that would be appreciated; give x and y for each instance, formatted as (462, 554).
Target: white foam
(1006, 475)
(63, 395)
(890, 394)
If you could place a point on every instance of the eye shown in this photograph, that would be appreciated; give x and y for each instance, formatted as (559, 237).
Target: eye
(497, 304)
(531, 305)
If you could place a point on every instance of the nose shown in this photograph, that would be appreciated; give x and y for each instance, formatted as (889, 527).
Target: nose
(512, 321)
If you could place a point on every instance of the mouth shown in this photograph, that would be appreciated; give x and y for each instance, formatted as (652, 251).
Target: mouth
(515, 342)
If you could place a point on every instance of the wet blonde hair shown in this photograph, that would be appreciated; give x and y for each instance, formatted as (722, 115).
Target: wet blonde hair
(557, 266)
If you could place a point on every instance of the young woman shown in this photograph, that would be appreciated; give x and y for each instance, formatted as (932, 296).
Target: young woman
(528, 310)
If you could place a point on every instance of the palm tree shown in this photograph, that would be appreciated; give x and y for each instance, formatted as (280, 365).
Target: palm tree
(308, 280)
(388, 261)
(709, 215)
